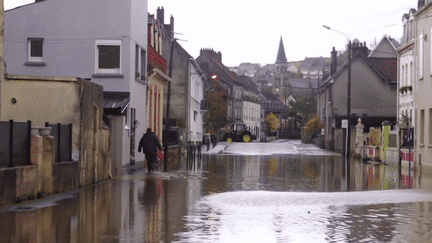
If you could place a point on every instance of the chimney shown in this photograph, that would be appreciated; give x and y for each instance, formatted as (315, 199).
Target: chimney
(210, 52)
(160, 15)
(219, 56)
(359, 48)
(333, 62)
(172, 24)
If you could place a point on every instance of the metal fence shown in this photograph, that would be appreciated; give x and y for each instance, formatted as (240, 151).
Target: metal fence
(63, 141)
(15, 140)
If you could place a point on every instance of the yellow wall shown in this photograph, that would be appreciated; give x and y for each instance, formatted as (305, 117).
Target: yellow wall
(40, 100)
(155, 105)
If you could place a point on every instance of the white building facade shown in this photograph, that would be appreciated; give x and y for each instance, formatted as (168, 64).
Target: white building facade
(252, 113)
(406, 77)
(195, 97)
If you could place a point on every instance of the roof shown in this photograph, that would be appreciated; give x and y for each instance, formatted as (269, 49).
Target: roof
(303, 83)
(115, 103)
(269, 95)
(281, 57)
(387, 66)
(212, 66)
(313, 63)
(410, 12)
(248, 83)
(384, 67)
(379, 48)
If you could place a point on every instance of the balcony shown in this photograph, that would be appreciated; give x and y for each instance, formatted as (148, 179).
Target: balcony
(155, 60)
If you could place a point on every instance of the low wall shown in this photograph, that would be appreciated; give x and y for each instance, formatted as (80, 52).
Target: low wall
(65, 176)
(18, 184)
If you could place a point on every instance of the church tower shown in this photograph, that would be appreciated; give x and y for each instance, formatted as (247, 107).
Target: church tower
(281, 60)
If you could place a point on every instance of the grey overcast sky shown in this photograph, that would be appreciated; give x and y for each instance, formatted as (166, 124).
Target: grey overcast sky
(249, 31)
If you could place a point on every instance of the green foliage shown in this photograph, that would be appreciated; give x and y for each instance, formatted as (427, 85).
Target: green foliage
(302, 110)
(215, 117)
(272, 121)
(313, 125)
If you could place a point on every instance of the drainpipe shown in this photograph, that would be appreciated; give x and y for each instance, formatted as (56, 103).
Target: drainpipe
(167, 126)
(2, 73)
(188, 101)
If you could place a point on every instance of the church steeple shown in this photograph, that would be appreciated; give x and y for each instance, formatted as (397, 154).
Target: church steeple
(281, 58)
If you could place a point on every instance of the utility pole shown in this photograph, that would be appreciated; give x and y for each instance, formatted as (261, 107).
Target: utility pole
(167, 125)
(349, 100)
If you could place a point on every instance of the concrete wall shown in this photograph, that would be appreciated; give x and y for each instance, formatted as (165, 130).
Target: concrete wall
(384, 50)
(423, 91)
(60, 100)
(367, 90)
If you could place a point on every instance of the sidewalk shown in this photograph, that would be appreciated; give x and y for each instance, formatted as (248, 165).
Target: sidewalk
(217, 149)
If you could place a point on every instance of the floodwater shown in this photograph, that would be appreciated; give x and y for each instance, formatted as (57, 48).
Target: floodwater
(226, 198)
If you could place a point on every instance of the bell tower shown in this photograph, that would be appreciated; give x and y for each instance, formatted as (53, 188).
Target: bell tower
(281, 60)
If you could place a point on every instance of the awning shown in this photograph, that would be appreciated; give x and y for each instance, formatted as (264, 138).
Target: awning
(115, 103)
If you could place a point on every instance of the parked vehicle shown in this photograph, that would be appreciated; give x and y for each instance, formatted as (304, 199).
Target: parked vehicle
(238, 133)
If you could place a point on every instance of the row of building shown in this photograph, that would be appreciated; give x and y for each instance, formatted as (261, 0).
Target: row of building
(134, 58)
(414, 83)
(390, 83)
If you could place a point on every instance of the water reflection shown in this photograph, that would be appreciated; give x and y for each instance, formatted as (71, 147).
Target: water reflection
(170, 206)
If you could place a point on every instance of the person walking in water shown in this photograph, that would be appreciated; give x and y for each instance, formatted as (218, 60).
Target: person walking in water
(149, 143)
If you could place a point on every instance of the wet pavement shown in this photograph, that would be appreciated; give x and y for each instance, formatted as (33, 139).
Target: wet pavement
(294, 195)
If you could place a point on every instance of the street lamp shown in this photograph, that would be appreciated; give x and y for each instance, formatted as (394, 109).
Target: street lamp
(349, 89)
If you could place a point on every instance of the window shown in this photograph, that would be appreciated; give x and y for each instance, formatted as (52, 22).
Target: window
(108, 56)
(137, 59)
(406, 75)
(143, 64)
(430, 126)
(402, 83)
(430, 62)
(35, 50)
(411, 74)
(422, 126)
(420, 56)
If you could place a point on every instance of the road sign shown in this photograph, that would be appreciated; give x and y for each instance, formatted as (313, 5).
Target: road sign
(345, 123)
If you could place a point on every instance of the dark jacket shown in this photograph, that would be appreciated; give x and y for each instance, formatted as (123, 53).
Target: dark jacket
(149, 142)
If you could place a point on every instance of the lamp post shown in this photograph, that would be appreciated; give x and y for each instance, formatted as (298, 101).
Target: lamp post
(348, 91)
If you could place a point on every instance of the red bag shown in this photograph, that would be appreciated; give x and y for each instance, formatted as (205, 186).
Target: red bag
(160, 154)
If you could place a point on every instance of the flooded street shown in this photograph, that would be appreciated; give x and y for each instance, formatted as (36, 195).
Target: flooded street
(232, 198)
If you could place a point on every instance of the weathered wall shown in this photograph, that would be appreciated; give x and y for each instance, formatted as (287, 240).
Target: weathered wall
(90, 132)
(65, 176)
(59, 100)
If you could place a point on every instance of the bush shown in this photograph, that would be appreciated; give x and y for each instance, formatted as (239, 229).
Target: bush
(312, 129)
(374, 137)
(272, 122)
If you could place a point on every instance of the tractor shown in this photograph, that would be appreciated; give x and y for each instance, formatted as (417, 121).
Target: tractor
(238, 133)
